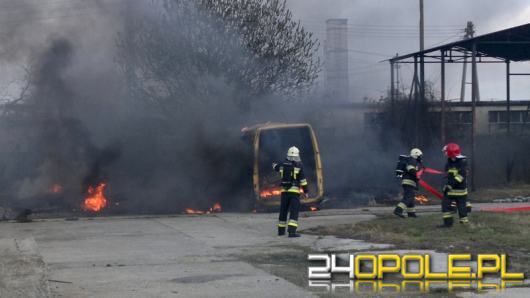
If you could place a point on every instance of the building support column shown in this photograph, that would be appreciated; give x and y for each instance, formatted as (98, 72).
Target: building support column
(392, 89)
(508, 107)
(509, 161)
(443, 136)
(474, 93)
(416, 104)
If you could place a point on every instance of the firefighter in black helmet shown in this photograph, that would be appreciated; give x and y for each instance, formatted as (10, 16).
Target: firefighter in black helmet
(408, 166)
(293, 178)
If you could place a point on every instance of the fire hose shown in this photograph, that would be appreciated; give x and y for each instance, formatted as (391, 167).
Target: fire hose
(439, 195)
(426, 185)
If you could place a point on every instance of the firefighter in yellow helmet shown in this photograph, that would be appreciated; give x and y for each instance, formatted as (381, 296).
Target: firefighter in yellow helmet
(408, 166)
(292, 180)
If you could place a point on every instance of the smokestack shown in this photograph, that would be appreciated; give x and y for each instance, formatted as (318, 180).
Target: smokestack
(336, 60)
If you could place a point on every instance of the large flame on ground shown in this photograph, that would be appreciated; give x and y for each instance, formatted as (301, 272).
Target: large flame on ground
(193, 211)
(273, 192)
(270, 192)
(215, 208)
(95, 200)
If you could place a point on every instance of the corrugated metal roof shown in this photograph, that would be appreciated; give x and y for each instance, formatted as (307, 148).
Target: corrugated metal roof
(509, 44)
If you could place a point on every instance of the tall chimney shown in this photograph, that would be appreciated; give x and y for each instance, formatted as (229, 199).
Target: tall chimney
(336, 60)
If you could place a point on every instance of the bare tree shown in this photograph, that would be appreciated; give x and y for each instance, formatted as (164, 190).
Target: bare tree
(9, 101)
(195, 49)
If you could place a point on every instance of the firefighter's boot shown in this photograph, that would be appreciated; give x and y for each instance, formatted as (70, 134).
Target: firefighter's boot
(464, 221)
(448, 222)
(468, 207)
(294, 235)
(399, 210)
(292, 232)
(282, 225)
(411, 212)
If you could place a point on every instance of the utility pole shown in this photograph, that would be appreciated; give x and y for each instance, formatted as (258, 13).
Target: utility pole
(420, 104)
(422, 33)
(469, 33)
(397, 79)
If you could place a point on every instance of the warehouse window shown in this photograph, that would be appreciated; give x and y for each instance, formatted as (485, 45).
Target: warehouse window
(493, 117)
(501, 117)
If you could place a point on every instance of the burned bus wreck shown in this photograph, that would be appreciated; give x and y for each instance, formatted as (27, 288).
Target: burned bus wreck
(268, 143)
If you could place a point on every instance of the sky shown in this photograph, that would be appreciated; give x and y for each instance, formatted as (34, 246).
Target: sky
(378, 29)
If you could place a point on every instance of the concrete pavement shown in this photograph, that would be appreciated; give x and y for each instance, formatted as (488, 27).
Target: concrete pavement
(216, 255)
(179, 256)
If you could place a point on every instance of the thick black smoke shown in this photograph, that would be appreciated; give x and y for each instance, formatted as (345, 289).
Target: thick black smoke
(80, 125)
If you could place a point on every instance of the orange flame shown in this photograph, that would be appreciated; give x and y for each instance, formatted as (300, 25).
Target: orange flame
(215, 208)
(270, 192)
(56, 188)
(421, 199)
(313, 208)
(95, 200)
(273, 192)
(193, 211)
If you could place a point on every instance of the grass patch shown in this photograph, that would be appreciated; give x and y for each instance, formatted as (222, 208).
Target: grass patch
(500, 192)
(487, 233)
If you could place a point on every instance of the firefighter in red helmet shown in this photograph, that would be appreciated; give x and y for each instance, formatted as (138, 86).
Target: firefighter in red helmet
(455, 189)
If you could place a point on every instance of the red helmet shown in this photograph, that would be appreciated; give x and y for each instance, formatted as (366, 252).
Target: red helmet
(451, 150)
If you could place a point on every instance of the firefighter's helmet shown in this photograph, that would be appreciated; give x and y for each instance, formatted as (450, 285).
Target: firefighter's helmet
(293, 154)
(416, 153)
(451, 150)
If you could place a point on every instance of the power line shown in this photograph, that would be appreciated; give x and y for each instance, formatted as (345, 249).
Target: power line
(383, 30)
(386, 26)
(445, 40)
(369, 53)
(388, 34)
(397, 30)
